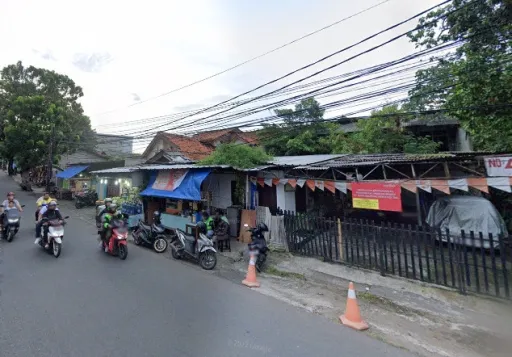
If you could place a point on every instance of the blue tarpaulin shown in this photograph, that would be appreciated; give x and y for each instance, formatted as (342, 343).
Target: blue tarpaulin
(189, 189)
(71, 172)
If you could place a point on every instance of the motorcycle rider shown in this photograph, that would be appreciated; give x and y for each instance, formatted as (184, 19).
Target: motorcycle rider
(111, 214)
(44, 199)
(50, 214)
(108, 202)
(10, 198)
(208, 221)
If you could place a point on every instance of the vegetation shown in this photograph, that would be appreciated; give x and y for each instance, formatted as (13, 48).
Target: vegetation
(33, 103)
(238, 156)
(478, 74)
(382, 133)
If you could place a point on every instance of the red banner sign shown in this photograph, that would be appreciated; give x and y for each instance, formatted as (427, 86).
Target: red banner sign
(377, 196)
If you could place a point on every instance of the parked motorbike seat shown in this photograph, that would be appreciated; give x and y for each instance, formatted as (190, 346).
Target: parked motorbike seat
(189, 238)
(145, 226)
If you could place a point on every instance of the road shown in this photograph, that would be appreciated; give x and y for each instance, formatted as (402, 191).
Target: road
(86, 304)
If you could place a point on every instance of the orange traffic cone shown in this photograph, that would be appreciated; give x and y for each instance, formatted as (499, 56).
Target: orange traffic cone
(250, 278)
(352, 316)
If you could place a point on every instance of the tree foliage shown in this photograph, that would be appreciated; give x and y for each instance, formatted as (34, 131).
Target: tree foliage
(33, 101)
(382, 133)
(238, 156)
(477, 75)
(302, 131)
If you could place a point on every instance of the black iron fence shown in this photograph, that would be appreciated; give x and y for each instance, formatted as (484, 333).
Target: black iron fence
(468, 261)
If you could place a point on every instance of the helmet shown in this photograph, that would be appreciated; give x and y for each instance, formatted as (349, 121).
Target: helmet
(201, 226)
(262, 227)
(52, 205)
(107, 200)
(112, 207)
(156, 214)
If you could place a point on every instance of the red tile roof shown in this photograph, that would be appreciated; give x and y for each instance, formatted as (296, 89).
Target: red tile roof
(251, 137)
(209, 136)
(191, 148)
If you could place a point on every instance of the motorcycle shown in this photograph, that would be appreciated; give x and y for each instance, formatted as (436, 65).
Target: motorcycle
(200, 249)
(85, 199)
(11, 223)
(151, 235)
(258, 244)
(117, 242)
(53, 234)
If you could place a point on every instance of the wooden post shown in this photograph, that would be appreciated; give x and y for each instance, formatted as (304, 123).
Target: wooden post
(418, 203)
(340, 240)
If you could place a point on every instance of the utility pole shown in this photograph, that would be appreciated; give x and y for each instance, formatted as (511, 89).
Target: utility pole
(50, 159)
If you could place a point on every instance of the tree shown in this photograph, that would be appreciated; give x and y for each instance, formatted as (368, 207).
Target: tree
(238, 156)
(302, 131)
(475, 81)
(33, 101)
(382, 133)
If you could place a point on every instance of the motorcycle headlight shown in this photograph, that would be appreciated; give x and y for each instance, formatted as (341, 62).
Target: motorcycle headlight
(12, 220)
(120, 237)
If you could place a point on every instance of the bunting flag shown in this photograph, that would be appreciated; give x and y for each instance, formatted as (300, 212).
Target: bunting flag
(319, 185)
(479, 183)
(330, 186)
(425, 185)
(441, 185)
(311, 184)
(410, 186)
(460, 184)
(500, 183)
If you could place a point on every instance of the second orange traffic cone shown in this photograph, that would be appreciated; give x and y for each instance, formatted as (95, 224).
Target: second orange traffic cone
(250, 279)
(352, 317)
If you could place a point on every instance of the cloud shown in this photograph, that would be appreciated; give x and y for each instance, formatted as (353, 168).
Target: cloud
(46, 54)
(93, 62)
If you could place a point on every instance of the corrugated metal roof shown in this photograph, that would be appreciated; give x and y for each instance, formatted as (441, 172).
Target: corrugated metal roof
(181, 167)
(377, 159)
(116, 170)
(302, 159)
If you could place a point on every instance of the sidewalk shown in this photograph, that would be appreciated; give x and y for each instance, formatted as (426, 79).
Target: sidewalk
(427, 320)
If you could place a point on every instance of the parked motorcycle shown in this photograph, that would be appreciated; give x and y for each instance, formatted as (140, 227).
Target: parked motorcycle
(151, 235)
(117, 243)
(11, 223)
(200, 249)
(53, 234)
(86, 199)
(258, 244)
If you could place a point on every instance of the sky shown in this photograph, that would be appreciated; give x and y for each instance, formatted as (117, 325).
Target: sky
(123, 54)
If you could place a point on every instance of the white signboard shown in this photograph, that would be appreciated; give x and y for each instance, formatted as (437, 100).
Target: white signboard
(498, 166)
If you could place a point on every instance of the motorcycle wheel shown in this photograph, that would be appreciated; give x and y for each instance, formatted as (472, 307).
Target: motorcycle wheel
(208, 260)
(160, 245)
(56, 249)
(122, 251)
(10, 236)
(175, 254)
(78, 205)
(260, 262)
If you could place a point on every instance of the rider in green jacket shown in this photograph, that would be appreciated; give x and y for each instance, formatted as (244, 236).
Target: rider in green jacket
(111, 214)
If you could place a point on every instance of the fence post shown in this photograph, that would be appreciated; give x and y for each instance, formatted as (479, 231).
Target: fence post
(381, 250)
(459, 270)
(340, 240)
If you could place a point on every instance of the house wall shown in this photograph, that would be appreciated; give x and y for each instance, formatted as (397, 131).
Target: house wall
(464, 142)
(220, 187)
(79, 157)
(285, 200)
(114, 144)
(158, 146)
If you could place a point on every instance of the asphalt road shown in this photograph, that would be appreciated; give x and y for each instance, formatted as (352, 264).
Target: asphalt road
(86, 303)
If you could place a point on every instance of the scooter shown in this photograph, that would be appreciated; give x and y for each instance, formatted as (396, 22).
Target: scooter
(200, 249)
(11, 223)
(151, 235)
(53, 235)
(117, 243)
(258, 244)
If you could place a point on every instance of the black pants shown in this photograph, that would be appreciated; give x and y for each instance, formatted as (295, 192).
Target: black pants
(39, 226)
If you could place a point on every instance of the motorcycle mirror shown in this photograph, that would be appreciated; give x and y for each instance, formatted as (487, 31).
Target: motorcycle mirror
(66, 217)
(21, 206)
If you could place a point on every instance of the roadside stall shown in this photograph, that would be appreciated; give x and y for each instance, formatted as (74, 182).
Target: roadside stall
(72, 181)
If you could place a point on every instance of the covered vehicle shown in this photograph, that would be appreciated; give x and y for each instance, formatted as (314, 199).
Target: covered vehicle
(468, 214)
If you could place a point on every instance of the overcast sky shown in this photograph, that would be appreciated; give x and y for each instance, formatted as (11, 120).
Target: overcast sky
(125, 52)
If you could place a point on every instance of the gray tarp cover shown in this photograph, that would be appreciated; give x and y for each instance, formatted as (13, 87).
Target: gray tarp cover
(471, 214)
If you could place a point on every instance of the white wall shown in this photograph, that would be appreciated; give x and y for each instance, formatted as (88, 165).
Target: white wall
(464, 142)
(220, 187)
